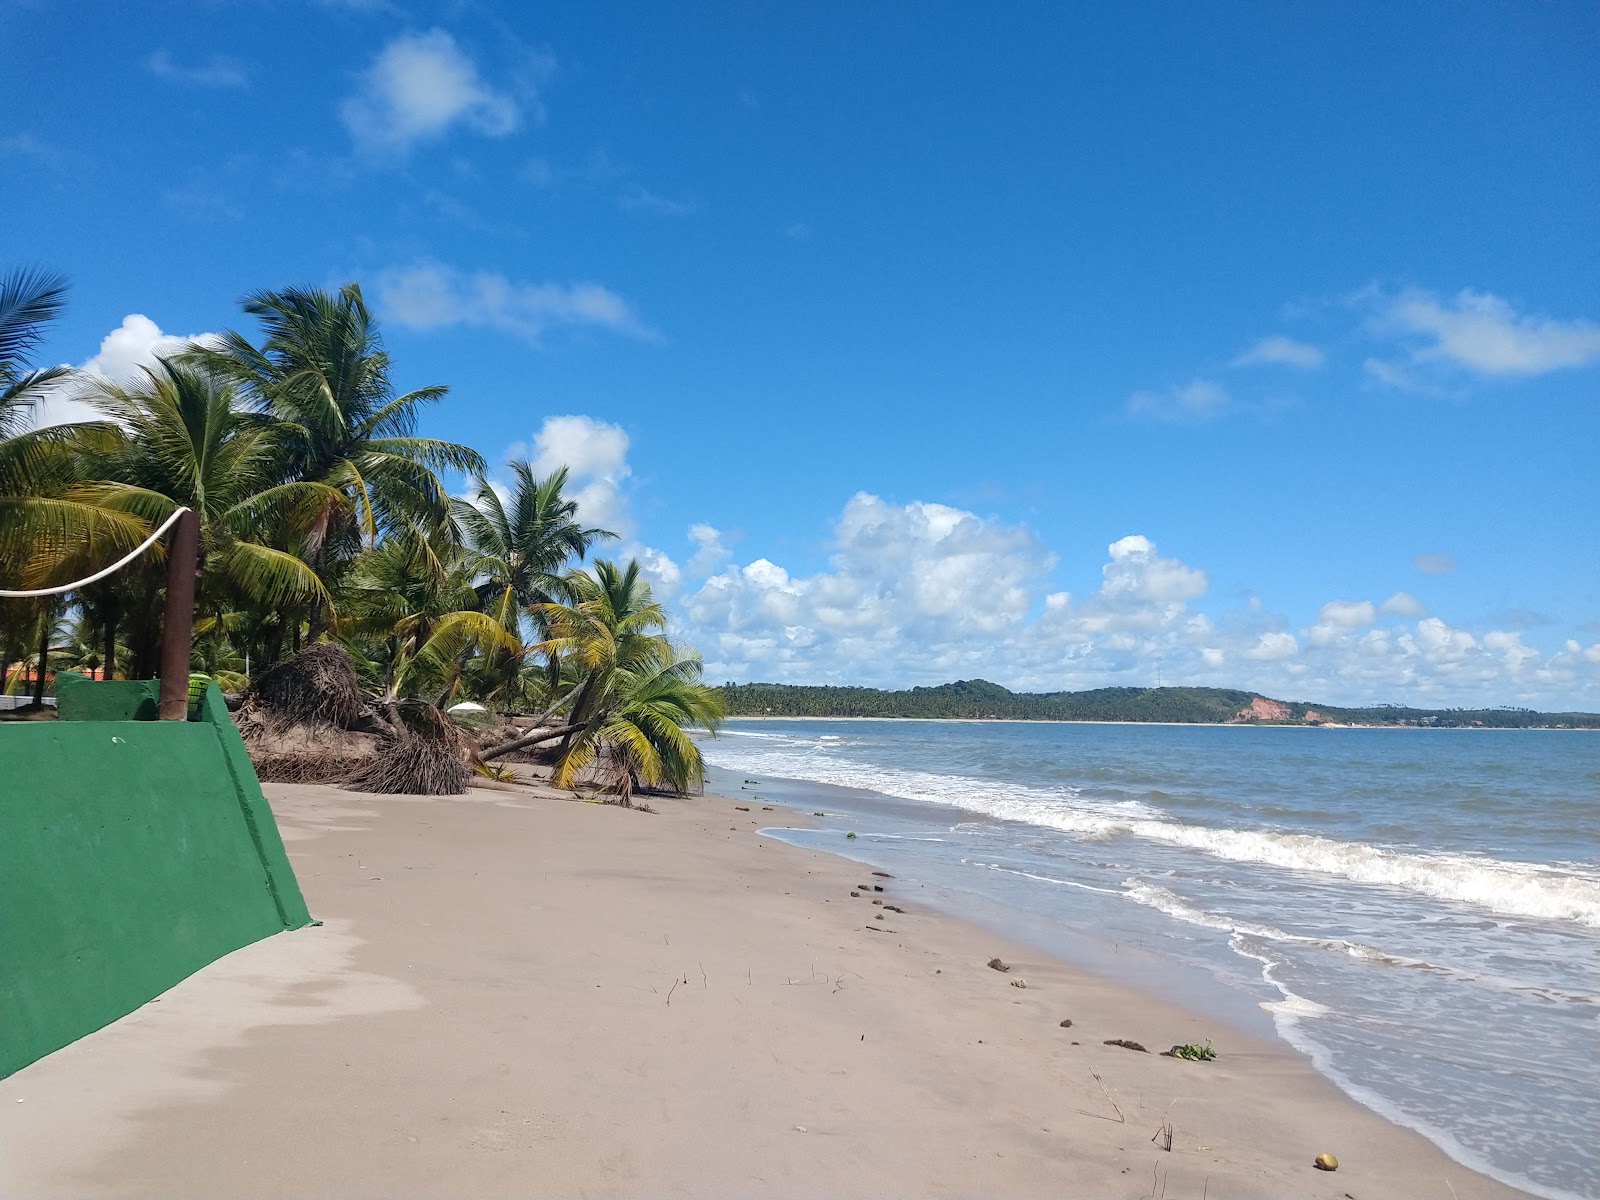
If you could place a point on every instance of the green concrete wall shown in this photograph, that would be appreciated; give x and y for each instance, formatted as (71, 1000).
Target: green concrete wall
(79, 698)
(132, 853)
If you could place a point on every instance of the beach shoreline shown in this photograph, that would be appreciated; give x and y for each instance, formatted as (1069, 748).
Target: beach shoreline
(516, 994)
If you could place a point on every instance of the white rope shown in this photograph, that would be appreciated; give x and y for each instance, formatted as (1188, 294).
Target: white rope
(99, 575)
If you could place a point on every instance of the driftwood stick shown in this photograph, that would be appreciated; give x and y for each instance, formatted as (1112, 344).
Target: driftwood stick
(1122, 1119)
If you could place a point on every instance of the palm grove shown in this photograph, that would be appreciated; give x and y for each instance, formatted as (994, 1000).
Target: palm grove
(323, 517)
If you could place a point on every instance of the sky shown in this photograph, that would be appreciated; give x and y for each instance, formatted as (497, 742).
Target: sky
(1250, 345)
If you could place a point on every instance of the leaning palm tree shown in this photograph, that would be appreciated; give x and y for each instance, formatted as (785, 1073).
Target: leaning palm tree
(181, 438)
(638, 725)
(634, 692)
(322, 372)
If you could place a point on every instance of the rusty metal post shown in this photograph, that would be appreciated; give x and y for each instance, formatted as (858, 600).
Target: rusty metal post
(177, 628)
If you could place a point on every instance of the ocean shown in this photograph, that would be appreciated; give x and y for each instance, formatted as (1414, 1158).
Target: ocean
(1418, 911)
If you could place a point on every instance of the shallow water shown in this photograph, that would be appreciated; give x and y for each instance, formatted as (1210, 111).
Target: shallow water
(1416, 910)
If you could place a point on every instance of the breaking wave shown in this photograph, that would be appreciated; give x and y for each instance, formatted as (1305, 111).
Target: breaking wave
(1507, 888)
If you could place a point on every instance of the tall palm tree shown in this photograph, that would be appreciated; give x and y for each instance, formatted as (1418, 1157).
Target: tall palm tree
(524, 540)
(322, 371)
(182, 439)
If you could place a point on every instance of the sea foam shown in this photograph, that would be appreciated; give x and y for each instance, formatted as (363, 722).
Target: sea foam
(1507, 888)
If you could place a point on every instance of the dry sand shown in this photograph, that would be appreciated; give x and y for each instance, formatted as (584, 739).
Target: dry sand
(518, 995)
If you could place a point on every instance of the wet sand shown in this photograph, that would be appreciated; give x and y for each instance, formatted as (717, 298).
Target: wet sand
(519, 995)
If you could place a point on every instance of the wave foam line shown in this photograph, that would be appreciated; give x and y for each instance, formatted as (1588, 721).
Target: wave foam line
(1507, 888)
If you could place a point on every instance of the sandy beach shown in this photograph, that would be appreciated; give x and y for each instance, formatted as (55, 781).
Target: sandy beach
(518, 995)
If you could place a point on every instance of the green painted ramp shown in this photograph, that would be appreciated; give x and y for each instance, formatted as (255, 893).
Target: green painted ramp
(132, 853)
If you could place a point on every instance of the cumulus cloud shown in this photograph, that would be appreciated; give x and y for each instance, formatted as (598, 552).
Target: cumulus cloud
(131, 346)
(217, 71)
(595, 454)
(1481, 333)
(711, 549)
(421, 86)
(134, 344)
(1281, 351)
(1339, 618)
(925, 593)
(926, 586)
(1192, 403)
(1270, 647)
(1403, 604)
(430, 295)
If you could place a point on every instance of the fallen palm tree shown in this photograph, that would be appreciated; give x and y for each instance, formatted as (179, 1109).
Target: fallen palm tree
(423, 755)
(307, 720)
(527, 741)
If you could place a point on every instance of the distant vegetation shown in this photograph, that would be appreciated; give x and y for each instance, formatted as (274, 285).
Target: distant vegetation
(978, 699)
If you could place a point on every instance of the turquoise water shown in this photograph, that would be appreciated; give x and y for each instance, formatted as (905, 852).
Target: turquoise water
(1418, 911)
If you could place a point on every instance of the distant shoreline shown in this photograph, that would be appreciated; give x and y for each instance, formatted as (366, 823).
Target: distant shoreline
(983, 700)
(1173, 724)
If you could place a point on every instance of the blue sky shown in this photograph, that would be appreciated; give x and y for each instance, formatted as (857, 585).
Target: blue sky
(1253, 345)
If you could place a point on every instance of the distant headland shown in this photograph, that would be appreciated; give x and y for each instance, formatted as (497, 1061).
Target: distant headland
(978, 699)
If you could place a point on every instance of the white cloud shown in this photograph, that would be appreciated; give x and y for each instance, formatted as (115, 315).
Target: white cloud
(1437, 563)
(1340, 618)
(926, 587)
(711, 550)
(656, 565)
(421, 86)
(1484, 334)
(1270, 647)
(216, 71)
(1403, 604)
(133, 345)
(429, 295)
(595, 454)
(1284, 351)
(1347, 614)
(1194, 402)
(925, 593)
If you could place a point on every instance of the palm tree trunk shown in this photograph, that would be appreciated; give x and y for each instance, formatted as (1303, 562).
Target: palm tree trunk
(533, 739)
(46, 620)
(109, 664)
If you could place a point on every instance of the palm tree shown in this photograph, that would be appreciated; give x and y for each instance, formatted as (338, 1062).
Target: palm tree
(28, 301)
(181, 439)
(638, 724)
(39, 527)
(635, 692)
(522, 541)
(420, 608)
(525, 540)
(322, 371)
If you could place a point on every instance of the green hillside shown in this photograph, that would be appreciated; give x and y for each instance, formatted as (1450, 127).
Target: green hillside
(978, 699)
